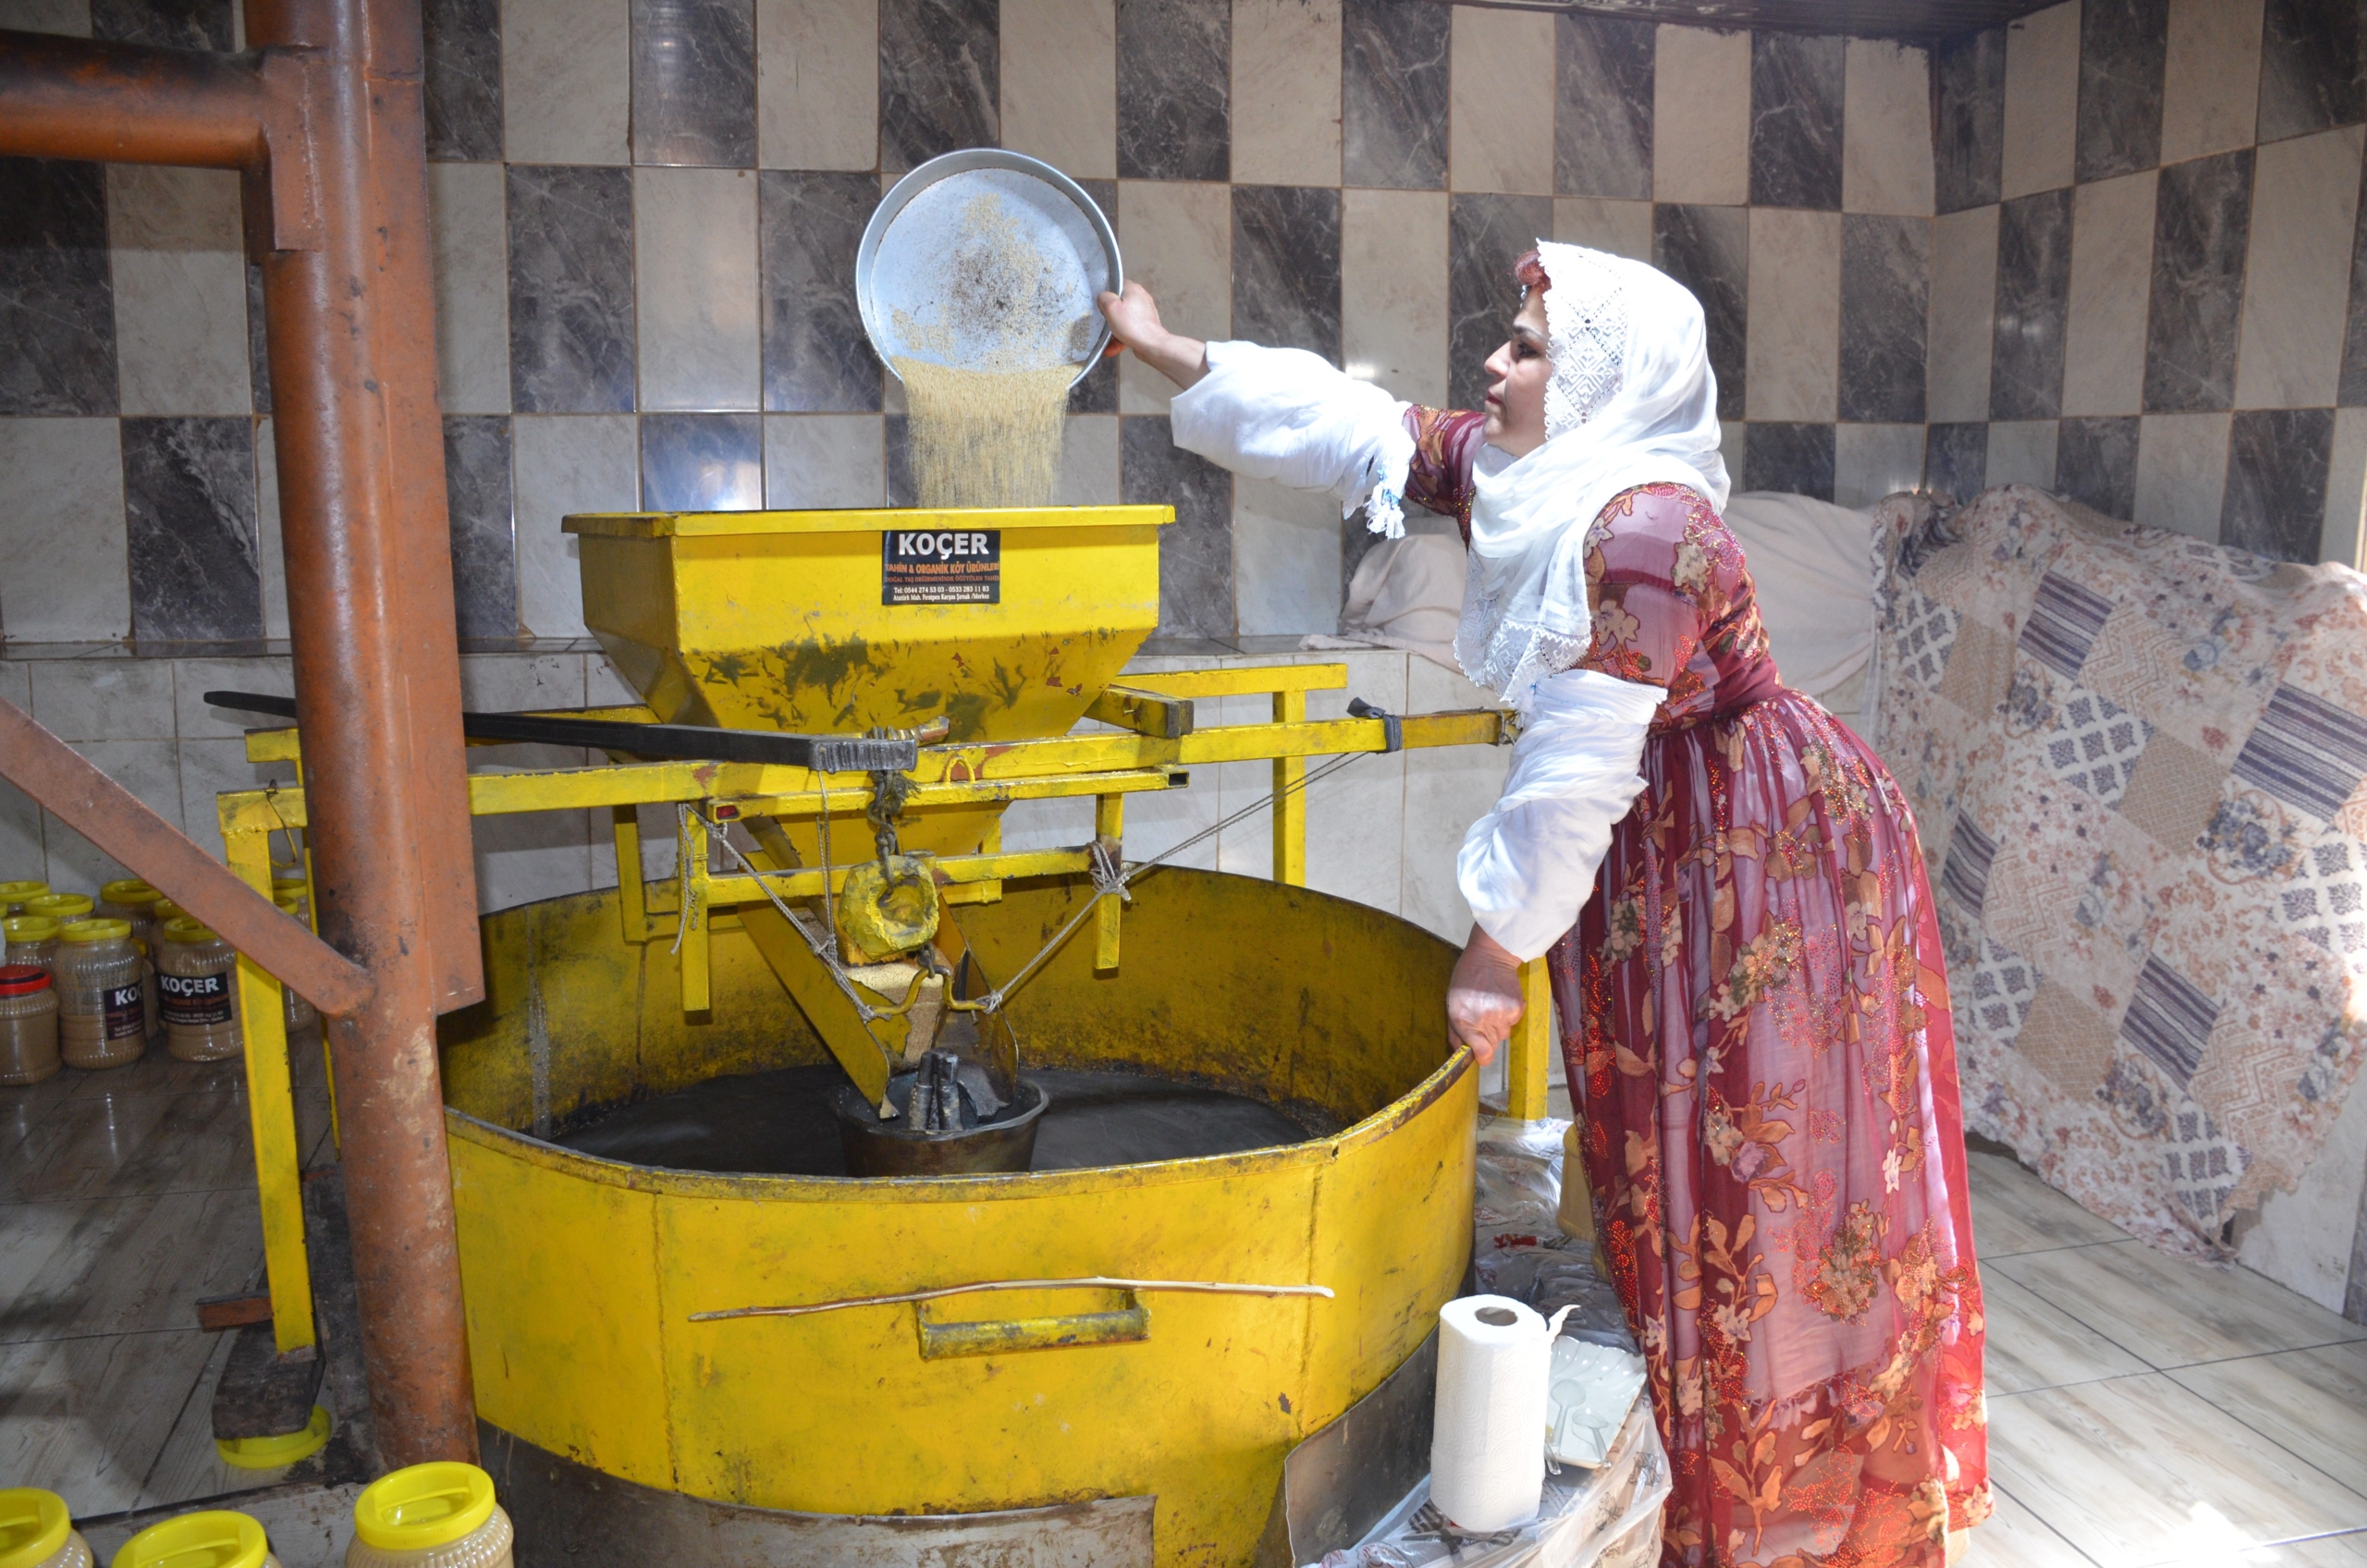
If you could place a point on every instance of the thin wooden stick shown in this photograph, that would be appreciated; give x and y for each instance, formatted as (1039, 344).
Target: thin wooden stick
(1197, 1287)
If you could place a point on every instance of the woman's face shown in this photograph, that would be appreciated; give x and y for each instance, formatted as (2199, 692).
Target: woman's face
(1517, 376)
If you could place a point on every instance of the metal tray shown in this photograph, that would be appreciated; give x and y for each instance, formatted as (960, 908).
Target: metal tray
(936, 284)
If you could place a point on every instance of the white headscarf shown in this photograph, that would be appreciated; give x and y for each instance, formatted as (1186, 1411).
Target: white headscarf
(1632, 401)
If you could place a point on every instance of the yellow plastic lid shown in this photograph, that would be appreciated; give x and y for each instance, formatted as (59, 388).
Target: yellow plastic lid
(18, 891)
(188, 928)
(60, 906)
(130, 890)
(423, 1507)
(96, 931)
(165, 909)
(197, 1540)
(288, 884)
(33, 1525)
(31, 928)
(288, 903)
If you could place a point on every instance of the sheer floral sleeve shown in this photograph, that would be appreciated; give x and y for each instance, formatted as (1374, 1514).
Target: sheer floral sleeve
(1446, 443)
(1672, 605)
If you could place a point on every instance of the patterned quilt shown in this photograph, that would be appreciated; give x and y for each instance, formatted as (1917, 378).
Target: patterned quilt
(2137, 761)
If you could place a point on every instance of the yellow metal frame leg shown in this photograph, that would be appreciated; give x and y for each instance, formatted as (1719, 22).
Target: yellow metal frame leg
(1529, 1060)
(1290, 798)
(271, 1113)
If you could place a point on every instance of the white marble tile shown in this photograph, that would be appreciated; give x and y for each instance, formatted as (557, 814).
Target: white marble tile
(2112, 274)
(180, 290)
(2312, 1403)
(1247, 848)
(2345, 538)
(2014, 1211)
(2211, 79)
(211, 768)
(469, 223)
(2042, 100)
(2174, 1312)
(2033, 1344)
(193, 719)
(2022, 452)
(1502, 91)
(1794, 331)
(2015, 1538)
(1060, 84)
(1054, 825)
(65, 571)
(1887, 128)
(525, 858)
(1624, 228)
(272, 545)
(87, 1417)
(2303, 1239)
(566, 463)
(2297, 273)
(105, 698)
(825, 460)
(1286, 92)
(1285, 560)
(1392, 285)
(1870, 461)
(2182, 472)
(695, 287)
(2196, 1488)
(818, 84)
(71, 18)
(1178, 237)
(2347, 1549)
(1964, 306)
(1447, 789)
(1701, 116)
(567, 81)
(150, 769)
(1088, 462)
(1355, 818)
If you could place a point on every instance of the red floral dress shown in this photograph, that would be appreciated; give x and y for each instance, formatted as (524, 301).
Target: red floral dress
(1755, 1017)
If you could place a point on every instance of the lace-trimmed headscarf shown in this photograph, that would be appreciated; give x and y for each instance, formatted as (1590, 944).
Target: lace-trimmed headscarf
(1631, 401)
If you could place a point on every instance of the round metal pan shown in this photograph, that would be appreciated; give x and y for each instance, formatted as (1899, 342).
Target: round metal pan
(1016, 291)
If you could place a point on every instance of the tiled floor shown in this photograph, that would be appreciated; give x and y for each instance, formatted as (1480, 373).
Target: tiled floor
(125, 1197)
(2142, 1411)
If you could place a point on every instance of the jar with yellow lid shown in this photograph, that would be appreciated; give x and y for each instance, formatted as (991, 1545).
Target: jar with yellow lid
(197, 980)
(28, 1026)
(217, 1539)
(60, 907)
(37, 1532)
(436, 1515)
(32, 939)
(102, 1014)
(14, 894)
(133, 902)
(293, 890)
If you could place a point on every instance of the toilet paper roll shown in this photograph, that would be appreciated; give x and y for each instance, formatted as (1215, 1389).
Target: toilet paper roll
(1488, 1436)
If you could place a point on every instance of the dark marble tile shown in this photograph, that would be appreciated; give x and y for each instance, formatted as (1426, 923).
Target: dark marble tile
(189, 502)
(1969, 143)
(2202, 221)
(1484, 236)
(694, 83)
(898, 444)
(2033, 301)
(2123, 47)
(1954, 459)
(484, 546)
(1795, 120)
(2313, 66)
(1287, 267)
(702, 462)
(570, 289)
(2352, 392)
(463, 84)
(170, 24)
(1707, 250)
(2095, 464)
(1394, 92)
(940, 69)
(1195, 550)
(1794, 457)
(1886, 301)
(816, 356)
(1096, 391)
(2275, 501)
(1602, 110)
(1175, 89)
(56, 290)
(258, 341)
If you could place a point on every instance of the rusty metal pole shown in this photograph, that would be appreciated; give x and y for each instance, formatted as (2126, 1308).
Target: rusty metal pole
(361, 453)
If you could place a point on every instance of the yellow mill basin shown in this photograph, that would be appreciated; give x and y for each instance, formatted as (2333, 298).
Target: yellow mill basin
(622, 1431)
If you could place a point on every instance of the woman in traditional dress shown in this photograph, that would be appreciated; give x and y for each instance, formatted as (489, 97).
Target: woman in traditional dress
(1754, 1005)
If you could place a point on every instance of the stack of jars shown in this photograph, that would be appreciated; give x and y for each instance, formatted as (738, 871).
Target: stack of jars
(440, 1514)
(102, 1006)
(14, 894)
(28, 1029)
(60, 907)
(135, 903)
(197, 976)
(32, 939)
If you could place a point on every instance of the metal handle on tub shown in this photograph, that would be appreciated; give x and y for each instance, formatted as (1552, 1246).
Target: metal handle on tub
(1129, 1325)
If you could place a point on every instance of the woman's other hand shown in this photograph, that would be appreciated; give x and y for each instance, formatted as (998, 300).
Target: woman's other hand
(1483, 997)
(1134, 320)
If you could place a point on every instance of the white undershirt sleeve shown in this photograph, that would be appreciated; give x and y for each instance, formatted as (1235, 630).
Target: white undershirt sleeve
(1528, 868)
(1287, 415)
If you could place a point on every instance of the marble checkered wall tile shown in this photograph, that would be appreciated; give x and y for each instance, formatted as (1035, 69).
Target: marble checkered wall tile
(2149, 290)
(646, 212)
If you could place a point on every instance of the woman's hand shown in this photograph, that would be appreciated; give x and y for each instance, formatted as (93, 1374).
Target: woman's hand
(1483, 997)
(1134, 320)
